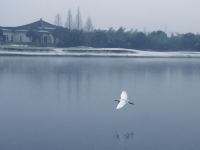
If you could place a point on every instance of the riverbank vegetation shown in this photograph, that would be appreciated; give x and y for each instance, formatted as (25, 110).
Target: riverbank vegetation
(75, 33)
(156, 40)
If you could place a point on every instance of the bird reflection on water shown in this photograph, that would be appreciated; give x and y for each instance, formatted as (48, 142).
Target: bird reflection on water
(127, 136)
(123, 139)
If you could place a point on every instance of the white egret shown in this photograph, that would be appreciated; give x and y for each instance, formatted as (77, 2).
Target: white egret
(123, 100)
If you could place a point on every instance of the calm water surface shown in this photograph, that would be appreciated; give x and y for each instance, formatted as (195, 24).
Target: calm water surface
(53, 103)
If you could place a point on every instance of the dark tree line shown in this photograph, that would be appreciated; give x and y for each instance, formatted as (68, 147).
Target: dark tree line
(1, 33)
(1, 36)
(156, 40)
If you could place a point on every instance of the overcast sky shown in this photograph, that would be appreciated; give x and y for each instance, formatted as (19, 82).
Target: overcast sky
(167, 15)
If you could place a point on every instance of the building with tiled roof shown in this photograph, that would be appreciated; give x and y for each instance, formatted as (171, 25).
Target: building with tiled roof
(39, 32)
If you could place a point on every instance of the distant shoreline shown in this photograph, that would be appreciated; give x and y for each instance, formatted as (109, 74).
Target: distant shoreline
(24, 50)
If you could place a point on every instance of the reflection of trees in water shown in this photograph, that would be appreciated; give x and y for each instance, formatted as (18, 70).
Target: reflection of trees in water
(75, 74)
(43, 66)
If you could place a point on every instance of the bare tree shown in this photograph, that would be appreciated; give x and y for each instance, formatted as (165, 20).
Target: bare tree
(58, 20)
(69, 21)
(78, 21)
(88, 25)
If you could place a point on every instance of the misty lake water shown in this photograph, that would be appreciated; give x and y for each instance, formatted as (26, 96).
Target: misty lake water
(67, 103)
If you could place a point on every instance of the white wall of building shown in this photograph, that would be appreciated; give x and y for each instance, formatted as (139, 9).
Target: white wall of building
(8, 35)
(16, 36)
(20, 37)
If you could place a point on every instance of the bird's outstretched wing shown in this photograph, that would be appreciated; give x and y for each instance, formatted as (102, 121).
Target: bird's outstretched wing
(121, 104)
(124, 95)
(117, 100)
(131, 103)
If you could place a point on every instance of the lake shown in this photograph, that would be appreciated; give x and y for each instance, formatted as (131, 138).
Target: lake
(67, 103)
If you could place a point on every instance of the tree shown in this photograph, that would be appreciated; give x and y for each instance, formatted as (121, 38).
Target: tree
(197, 44)
(78, 20)
(158, 40)
(137, 40)
(188, 41)
(77, 38)
(62, 37)
(1, 32)
(120, 38)
(58, 20)
(175, 42)
(69, 22)
(88, 25)
(99, 39)
(1, 35)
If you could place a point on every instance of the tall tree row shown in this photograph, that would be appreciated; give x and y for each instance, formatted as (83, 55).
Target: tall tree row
(75, 22)
(58, 20)
(78, 20)
(89, 25)
(69, 21)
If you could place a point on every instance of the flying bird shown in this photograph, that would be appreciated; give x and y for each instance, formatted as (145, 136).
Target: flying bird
(123, 100)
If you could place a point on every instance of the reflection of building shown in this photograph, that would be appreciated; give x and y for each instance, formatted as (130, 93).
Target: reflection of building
(39, 32)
